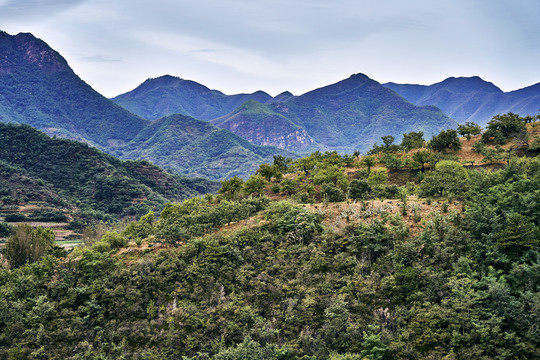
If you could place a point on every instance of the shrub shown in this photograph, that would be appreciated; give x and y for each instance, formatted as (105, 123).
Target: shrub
(333, 193)
(359, 189)
(15, 218)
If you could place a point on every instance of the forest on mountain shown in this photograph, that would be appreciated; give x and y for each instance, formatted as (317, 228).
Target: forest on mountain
(421, 249)
(82, 181)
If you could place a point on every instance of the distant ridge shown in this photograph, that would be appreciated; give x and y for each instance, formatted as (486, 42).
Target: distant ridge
(346, 116)
(167, 95)
(349, 115)
(471, 98)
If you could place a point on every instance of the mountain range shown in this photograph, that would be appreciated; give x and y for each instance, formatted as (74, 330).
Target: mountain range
(38, 88)
(349, 115)
(471, 98)
(192, 130)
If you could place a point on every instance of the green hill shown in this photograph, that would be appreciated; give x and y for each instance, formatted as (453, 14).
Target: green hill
(73, 175)
(398, 270)
(197, 148)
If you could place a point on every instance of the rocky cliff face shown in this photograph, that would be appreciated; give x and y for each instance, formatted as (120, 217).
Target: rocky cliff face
(24, 48)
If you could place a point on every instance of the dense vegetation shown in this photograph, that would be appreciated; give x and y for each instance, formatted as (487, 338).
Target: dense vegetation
(402, 269)
(193, 147)
(38, 88)
(71, 175)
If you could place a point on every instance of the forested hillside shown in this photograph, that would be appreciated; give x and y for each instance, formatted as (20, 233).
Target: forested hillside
(79, 178)
(346, 116)
(38, 88)
(191, 147)
(420, 250)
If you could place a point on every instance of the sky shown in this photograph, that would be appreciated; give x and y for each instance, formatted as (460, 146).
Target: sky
(240, 46)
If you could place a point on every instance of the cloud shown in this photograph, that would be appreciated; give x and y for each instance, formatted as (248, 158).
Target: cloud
(10, 9)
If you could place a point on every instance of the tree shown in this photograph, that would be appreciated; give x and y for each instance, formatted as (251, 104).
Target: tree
(305, 164)
(392, 161)
(422, 157)
(502, 127)
(289, 185)
(469, 129)
(267, 171)
(330, 175)
(359, 189)
(254, 185)
(518, 234)
(412, 140)
(368, 161)
(333, 193)
(27, 245)
(445, 140)
(448, 177)
(378, 178)
(231, 187)
(282, 163)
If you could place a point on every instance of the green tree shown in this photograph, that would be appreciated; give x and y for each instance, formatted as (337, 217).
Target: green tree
(412, 140)
(331, 174)
(27, 245)
(392, 161)
(268, 171)
(445, 140)
(518, 234)
(422, 157)
(359, 189)
(369, 162)
(254, 185)
(469, 129)
(378, 177)
(289, 185)
(502, 127)
(332, 193)
(282, 163)
(449, 177)
(231, 187)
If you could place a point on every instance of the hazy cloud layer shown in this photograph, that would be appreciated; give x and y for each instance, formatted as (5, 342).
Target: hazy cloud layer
(276, 45)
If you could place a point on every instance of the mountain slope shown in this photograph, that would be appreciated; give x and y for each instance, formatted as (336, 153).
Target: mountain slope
(72, 174)
(37, 87)
(471, 98)
(167, 95)
(349, 115)
(261, 124)
(197, 148)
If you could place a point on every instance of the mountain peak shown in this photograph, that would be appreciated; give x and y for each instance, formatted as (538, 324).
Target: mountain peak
(25, 48)
(468, 84)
